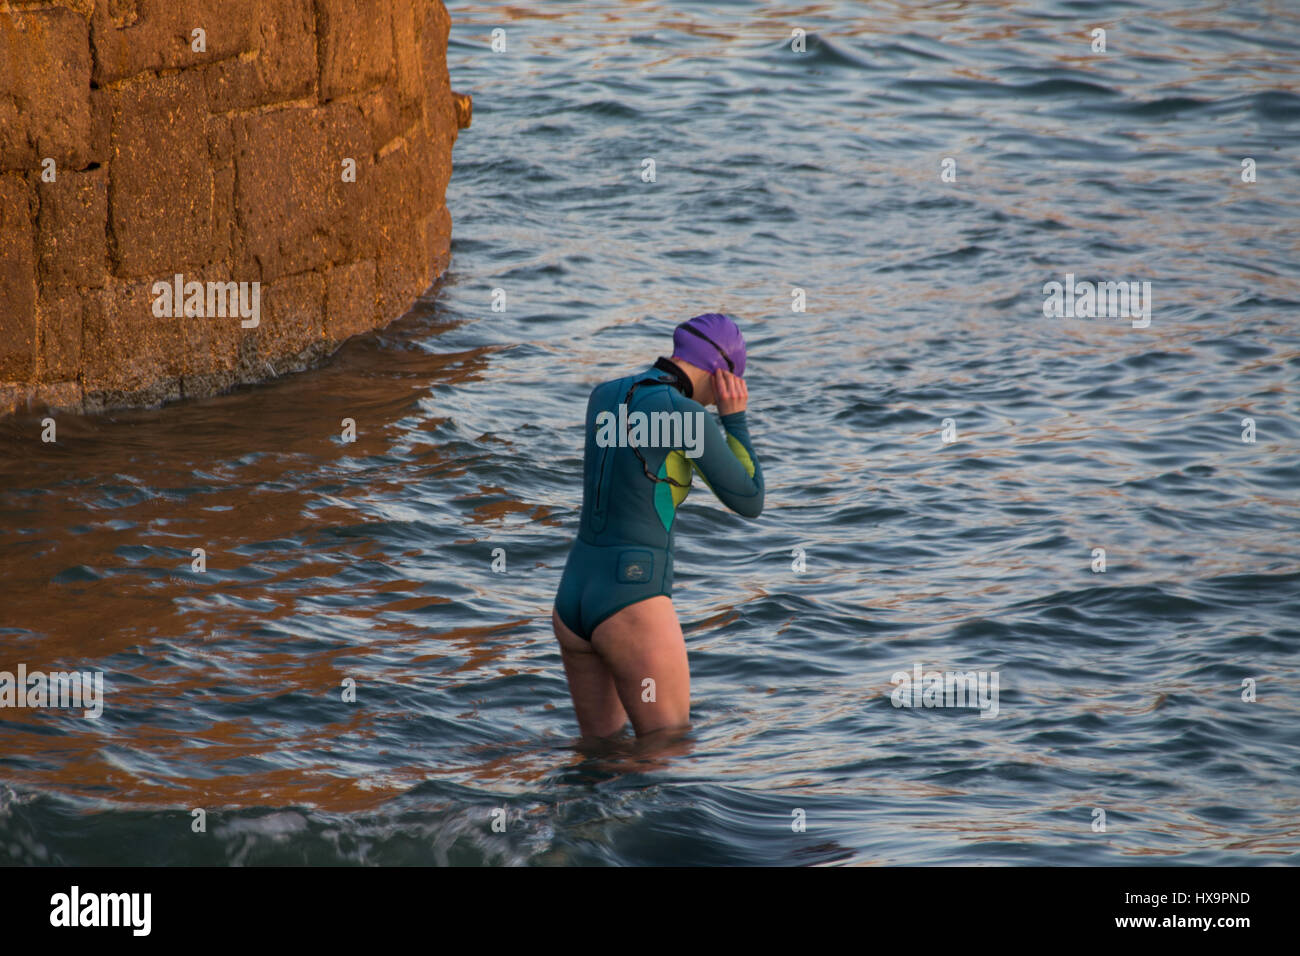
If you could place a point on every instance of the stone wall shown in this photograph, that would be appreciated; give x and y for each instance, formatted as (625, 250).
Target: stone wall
(141, 139)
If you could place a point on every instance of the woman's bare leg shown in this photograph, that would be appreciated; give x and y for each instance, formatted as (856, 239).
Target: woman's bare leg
(642, 647)
(591, 685)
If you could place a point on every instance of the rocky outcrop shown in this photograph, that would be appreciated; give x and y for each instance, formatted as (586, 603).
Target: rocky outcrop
(296, 152)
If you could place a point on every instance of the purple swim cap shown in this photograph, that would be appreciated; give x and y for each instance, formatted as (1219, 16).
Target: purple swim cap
(711, 341)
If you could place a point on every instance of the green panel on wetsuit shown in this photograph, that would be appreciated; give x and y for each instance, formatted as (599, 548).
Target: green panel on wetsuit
(669, 497)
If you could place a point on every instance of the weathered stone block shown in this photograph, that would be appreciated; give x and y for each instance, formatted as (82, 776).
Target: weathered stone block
(137, 357)
(427, 155)
(212, 346)
(384, 116)
(159, 34)
(117, 324)
(44, 89)
(292, 323)
(403, 268)
(356, 44)
(17, 280)
(351, 304)
(295, 208)
(160, 207)
(281, 65)
(71, 229)
(60, 314)
(403, 183)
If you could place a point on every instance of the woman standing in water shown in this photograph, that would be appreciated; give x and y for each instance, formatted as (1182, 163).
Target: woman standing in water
(614, 615)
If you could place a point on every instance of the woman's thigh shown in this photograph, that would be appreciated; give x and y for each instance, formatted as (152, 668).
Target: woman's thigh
(643, 647)
(595, 698)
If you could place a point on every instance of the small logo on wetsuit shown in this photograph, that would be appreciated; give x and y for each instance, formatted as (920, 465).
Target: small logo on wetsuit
(656, 430)
(634, 572)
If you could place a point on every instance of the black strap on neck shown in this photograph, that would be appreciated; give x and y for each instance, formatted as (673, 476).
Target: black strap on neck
(678, 380)
(681, 381)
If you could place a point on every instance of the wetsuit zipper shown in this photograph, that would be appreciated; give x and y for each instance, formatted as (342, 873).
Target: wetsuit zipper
(598, 514)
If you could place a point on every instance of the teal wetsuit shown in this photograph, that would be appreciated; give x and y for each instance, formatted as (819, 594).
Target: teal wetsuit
(624, 550)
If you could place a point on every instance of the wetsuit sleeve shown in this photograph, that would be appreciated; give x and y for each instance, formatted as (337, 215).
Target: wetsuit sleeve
(729, 465)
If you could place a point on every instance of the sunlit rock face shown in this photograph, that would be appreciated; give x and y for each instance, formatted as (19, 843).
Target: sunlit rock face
(199, 193)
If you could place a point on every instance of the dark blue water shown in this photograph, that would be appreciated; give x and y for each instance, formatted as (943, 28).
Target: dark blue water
(1119, 691)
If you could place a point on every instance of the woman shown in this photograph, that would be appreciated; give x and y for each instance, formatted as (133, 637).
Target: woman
(623, 650)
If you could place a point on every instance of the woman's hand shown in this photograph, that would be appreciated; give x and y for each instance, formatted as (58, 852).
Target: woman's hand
(731, 392)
